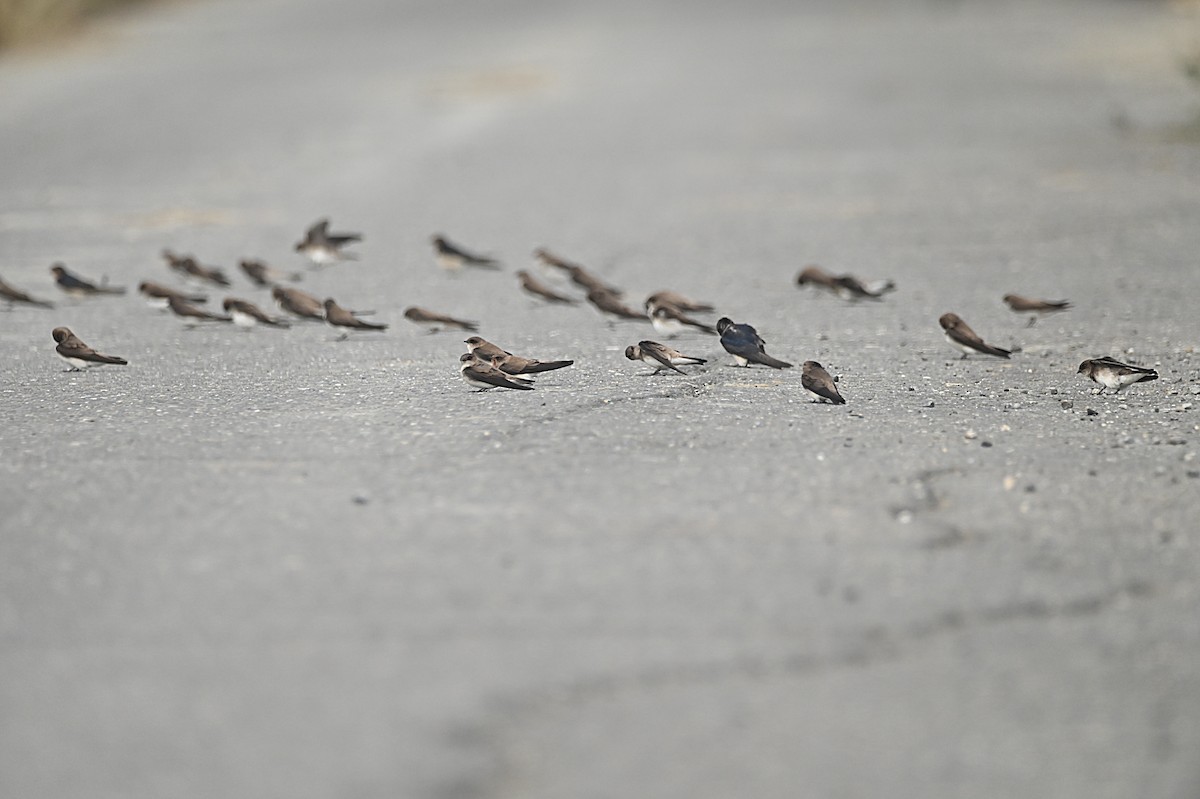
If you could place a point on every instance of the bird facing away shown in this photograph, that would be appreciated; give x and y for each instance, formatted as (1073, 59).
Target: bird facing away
(1111, 373)
(12, 295)
(248, 315)
(77, 286)
(537, 288)
(433, 322)
(299, 303)
(660, 356)
(485, 376)
(745, 345)
(608, 303)
(819, 384)
(677, 300)
(79, 355)
(1035, 308)
(323, 248)
(193, 315)
(190, 267)
(452, 258)
(345, 319)
(263, 276)
(960, 335)
(508, 363)
(157, 295)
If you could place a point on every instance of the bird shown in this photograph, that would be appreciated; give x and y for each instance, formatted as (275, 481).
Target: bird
(607, 302)
(745, 345)
(507, 362)
(324, 248)
(814, 275)
(77, 286)
(262, 275)
(1035, 308)
(819, 384)
(660, 356)
(539, 289)
(960, 335)
(485, 376)
(13, 295)
(452, 258)
(193, 315)
(1111, 373)
(848, 287)
(157, 295)
(578, 275)
(344, 318)
(190, 267)
(248, 315)
(298, 303)
(670, 320)
(434, 322)
(79, 355)
(679, 301)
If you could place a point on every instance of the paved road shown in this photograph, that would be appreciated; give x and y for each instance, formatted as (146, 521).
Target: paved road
(270, 564)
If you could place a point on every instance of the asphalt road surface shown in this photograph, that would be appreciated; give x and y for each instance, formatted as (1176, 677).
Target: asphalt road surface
(272, 564)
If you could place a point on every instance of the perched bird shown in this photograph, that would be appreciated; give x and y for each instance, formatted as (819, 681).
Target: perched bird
(344, 318)
(485, 376)
(508, 363)
(77, 286)
(670, 321)
(324, 248)
(819, 384)
(607, 302)
(298, 303)
(959, 334)
(677, 300)
(1111, 373)
(262, 275)
(577, 274)
(79, 355)
(660, 356)
(190, 267)
(1034, 308)
(248, 315)
(434, 322)
(193, 315)
(453, 258)
(157, 295)
(848, 287)
(745, 345)
(539, 289)
(13, 295)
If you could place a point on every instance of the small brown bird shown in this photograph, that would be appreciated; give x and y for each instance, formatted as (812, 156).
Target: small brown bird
(608, 303)
(157, 295)
(848, 287)
(79, 355)
(434, 322)
(452, 258)
(263, 276)
(77, 286)
(660, 356)
(961, 336)
(819, 384)
(13, 295)
(677, 300)
(670, 321)
(1111, 373)
(508, 363)
(190, 267)
(345, 319)
(324, 248)
(299, 303)
(539, 289)
(579, 276)
(193, 315)
(248, 315)
(814, 275)
(485, 376)
(1035, 308)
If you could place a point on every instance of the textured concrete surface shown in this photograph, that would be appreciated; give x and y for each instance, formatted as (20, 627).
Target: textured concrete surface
(271, 564)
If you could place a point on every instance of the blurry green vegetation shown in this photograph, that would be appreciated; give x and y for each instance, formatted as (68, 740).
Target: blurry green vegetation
(27, 21)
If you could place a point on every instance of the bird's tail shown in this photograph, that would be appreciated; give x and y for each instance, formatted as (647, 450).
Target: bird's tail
(546, 366)
(774, 363)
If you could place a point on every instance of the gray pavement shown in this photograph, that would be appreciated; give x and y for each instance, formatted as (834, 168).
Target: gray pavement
(270, 564)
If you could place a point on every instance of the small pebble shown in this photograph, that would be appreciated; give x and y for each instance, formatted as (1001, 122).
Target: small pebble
(1067, 405)
(1091, 412)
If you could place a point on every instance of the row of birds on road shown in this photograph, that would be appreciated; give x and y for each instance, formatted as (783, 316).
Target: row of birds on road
(487, 366)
